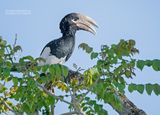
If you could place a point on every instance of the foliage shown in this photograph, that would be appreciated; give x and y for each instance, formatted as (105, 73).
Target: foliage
(106, 80)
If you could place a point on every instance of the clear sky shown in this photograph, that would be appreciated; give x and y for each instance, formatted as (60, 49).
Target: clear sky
(37, 22)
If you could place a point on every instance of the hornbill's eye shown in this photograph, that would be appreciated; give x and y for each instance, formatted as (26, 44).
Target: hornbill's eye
(75, 19)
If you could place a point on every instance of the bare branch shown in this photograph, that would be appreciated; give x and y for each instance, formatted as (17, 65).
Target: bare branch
(15, 41)
(70, 113)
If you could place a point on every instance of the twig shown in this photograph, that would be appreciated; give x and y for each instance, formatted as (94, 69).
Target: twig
(15, 41)
(70, 113)
(75, 103)
(14, 45)
(52, 109)
(10, 109)
(9, 56)
(84, 95)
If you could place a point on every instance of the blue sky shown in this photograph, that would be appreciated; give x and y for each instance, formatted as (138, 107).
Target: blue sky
(125, 19)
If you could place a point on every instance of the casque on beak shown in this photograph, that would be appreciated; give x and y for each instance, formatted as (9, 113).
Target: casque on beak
(86, 23)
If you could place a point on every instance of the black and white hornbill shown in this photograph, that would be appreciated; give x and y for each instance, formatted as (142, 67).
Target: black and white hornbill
(59, 50)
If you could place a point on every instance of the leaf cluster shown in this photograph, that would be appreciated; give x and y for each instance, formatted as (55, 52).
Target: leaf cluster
(33, 88)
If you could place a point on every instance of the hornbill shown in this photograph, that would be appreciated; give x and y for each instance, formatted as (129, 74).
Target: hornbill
(59, 50)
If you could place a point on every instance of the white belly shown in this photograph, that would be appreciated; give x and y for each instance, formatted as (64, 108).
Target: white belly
(50, 59)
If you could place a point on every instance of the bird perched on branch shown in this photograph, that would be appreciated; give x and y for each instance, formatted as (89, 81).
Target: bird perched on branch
(59, 50)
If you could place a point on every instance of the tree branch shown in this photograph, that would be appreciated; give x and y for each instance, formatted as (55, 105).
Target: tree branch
(129, 108)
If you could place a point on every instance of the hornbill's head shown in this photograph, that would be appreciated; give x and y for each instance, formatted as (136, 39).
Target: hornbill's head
(76, 21)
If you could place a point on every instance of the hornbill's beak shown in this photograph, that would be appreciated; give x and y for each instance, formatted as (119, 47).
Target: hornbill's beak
(86, 23)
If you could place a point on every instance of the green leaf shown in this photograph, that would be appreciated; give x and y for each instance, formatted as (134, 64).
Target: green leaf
(100, 62)
(87, 98)
(96, 107)
(156, 65)
(26, 108)
(83, 104)
(94, 55)
(51, 100)
(128, 73)
(43, 79)
(6, 72)
(121, 87)
(92, 102)
(1, 52)
(140, 64)
(64, 71)
(156, 89)
(51, 69)
(86, 47)
(131, 87)
(39, 59)
(89, 112)
(8, 64)
(57, 69)
(17, 48)
(149, 88)
(132, 42)
(140, 88)
(8, 79)
(45, 68)
(148, 63)
(26, 58)
(15, 81)
(3, 43)
(85, 108)
(2, 88)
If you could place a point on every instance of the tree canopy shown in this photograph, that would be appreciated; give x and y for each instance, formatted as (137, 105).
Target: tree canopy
(31, 91)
